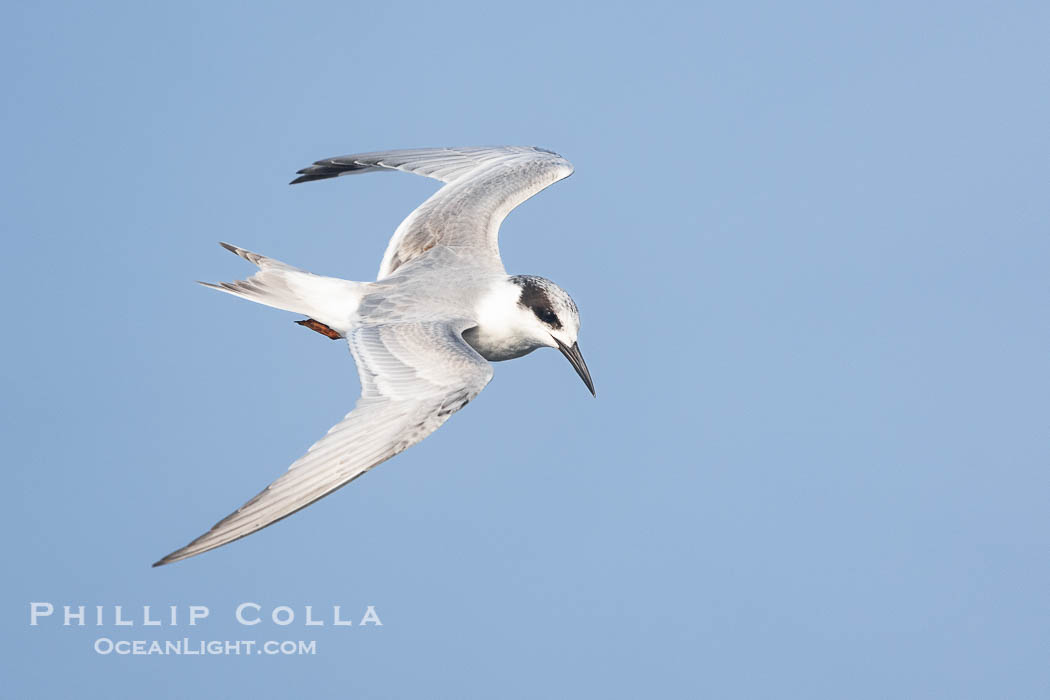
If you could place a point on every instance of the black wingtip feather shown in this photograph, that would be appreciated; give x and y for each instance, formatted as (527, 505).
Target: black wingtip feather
(309, 177)
(325, 169)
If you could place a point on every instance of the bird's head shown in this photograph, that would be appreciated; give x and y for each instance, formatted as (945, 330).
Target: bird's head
(552, 319)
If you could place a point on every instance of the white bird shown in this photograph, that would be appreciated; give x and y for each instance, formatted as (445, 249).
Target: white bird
(424, 332)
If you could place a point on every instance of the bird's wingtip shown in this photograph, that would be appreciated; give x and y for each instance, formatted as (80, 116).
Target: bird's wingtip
(309, 175)
(171, 558)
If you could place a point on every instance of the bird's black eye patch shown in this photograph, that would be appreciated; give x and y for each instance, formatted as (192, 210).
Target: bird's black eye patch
(534, 297)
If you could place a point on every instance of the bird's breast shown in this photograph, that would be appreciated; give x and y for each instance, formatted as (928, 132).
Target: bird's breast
(497, 347)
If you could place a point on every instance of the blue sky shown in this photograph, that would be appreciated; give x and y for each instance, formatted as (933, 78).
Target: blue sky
(809, 245)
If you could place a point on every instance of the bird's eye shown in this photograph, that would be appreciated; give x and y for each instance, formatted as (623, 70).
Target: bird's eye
(548, 316)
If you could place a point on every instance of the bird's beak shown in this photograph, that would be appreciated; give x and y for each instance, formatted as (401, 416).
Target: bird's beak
(575, 357)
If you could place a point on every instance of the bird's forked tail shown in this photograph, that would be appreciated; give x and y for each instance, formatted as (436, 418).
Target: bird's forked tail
(329, 302)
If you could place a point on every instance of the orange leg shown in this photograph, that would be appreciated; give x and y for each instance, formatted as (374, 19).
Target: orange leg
(320, 328)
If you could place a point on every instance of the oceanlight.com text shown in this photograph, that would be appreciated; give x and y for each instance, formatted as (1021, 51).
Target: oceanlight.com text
(215, 647)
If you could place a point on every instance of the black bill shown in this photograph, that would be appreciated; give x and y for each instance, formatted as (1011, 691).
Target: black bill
(575, 357)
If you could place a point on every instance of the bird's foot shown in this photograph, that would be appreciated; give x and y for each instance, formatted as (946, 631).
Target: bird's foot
(320, 328)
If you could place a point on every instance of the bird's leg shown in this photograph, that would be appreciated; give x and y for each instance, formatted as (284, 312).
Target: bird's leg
(320, 328)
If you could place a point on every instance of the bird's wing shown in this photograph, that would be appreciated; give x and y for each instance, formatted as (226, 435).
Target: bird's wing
(482, 185)
(413, 377)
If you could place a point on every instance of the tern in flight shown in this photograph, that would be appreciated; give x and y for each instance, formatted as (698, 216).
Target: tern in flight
(423, 334)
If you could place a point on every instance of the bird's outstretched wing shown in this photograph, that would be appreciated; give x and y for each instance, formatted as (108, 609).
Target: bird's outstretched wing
(413, 377)
(482, 185)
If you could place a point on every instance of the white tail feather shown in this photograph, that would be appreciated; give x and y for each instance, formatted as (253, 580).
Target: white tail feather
(330, 300)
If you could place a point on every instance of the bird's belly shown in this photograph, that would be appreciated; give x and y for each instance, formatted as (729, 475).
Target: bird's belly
(496, 349)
